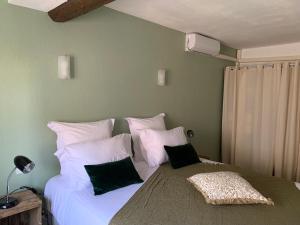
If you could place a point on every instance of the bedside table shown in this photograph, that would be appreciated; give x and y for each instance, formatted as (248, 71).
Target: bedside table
(27, 212)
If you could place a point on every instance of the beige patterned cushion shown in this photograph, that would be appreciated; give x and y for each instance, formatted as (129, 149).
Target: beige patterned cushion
(221, 188)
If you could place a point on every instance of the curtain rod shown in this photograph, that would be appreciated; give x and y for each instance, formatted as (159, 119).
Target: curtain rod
(254, 64)
(270, 59)
(267, 63)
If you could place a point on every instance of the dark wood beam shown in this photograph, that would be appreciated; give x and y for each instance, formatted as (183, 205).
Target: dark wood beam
(74, 8)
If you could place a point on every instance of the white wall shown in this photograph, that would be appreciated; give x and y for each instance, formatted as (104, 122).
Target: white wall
(285, 50)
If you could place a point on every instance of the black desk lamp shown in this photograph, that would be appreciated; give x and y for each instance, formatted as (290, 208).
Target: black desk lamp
(23, 164)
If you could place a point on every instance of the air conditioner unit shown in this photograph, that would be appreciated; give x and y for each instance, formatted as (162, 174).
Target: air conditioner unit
(198, 43)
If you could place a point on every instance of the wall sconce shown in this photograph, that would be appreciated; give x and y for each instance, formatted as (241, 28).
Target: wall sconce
(64, 67)
(161, 77)
(190, 134)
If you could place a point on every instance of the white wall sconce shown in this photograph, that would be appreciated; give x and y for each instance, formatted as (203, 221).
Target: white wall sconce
(161, 77)
(64, 67)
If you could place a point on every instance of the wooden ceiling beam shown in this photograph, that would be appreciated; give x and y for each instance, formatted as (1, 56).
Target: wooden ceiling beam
(74, 8)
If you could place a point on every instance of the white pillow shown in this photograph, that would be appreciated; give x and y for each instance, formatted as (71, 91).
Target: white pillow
(94, 152)
(71, 133)
(153, 142)
(136, 125)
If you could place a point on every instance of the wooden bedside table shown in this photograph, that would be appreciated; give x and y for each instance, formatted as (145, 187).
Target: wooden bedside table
(27, 212)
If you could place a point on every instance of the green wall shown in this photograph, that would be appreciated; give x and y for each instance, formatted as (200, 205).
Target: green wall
(116, 59)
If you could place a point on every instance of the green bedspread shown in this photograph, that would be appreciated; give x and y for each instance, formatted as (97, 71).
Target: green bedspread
(167, 198)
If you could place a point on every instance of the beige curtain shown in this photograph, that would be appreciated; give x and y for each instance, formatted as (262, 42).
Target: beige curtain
(261, 119)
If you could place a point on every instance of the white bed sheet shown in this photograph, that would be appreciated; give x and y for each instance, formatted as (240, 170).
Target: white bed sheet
(70, 207)
(73, 207)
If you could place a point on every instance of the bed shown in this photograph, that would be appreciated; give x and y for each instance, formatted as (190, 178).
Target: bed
(71, 207)
(165, 197)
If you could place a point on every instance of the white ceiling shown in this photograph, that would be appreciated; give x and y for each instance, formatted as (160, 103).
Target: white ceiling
(237, 23)
(41, 5)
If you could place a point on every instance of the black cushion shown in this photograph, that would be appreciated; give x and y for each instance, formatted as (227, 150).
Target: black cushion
(113, 175)
(182, 155)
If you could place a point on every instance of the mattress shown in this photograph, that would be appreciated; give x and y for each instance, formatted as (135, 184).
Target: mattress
(71, 207)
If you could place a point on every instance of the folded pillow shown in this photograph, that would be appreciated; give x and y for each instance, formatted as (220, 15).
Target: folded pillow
(182, 155)
(71, 133)
(136, 125)
(219, 188)
(111, 176)
(153, 142)
(95, 152)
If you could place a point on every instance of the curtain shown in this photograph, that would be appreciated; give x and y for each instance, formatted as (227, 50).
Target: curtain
(261, 118)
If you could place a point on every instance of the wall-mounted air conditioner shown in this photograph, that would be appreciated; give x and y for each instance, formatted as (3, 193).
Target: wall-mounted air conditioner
(199, 43)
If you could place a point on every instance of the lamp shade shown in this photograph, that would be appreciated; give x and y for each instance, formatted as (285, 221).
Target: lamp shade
(24, 164)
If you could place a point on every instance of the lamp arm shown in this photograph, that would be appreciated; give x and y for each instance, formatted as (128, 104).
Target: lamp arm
(7, 182)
